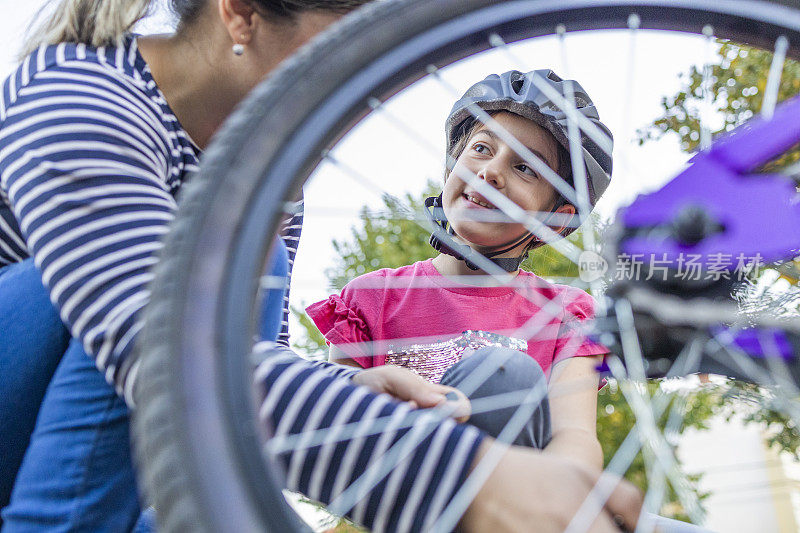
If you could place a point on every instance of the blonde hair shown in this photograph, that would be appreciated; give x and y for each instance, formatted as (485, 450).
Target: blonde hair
(91, 22)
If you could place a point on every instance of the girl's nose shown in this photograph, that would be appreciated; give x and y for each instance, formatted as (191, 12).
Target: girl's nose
(491, 174)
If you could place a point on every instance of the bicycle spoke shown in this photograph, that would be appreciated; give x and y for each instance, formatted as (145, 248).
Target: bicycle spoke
(575, 149)
(634, 22)
(580, 178)
(402, 126)
(656, 488)
(705, 131)
(645, 417)
(774, 77)
(593, 132)
(662, 453)
(355, 175)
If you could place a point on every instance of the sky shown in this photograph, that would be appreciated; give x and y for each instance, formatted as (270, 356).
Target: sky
(395, 161)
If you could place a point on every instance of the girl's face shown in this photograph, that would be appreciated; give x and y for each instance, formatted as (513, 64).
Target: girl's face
(493, 161)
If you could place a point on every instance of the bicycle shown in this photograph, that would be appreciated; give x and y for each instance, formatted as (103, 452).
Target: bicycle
(198, 345)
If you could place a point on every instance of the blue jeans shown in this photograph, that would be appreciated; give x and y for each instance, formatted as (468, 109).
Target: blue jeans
(32, 341)
(77, 474)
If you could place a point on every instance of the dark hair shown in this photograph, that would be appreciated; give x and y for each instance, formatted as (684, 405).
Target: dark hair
(188, 10)
(105, 22)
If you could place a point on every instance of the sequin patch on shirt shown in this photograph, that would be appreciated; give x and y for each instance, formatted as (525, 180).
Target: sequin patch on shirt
(432, 360)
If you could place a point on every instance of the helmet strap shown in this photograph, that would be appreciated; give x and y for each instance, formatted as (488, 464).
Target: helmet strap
(435, 213)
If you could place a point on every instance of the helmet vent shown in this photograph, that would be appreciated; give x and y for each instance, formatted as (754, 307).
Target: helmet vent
(553, 76)
(517, 80)
(580, 102)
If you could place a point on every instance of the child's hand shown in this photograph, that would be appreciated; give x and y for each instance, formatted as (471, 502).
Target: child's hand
(407, 386)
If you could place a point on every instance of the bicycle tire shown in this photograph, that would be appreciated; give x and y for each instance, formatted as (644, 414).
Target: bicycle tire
(194, 436)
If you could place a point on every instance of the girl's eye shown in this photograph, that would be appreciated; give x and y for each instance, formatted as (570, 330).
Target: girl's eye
(480, 148)
(525, 169)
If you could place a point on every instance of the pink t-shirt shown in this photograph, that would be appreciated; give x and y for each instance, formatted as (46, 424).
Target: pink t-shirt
(416, 304)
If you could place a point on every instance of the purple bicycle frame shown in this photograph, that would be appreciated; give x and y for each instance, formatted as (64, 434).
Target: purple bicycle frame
(759, 213)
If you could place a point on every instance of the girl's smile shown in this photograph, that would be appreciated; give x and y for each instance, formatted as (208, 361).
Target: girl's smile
(476, 200)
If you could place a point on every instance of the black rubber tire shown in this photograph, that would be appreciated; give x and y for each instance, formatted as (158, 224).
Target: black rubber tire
(195, 438)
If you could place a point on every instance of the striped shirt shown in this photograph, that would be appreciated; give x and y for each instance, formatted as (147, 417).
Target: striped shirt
(91, 156)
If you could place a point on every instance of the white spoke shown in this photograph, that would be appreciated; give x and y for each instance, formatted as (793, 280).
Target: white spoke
(576, 153)
(402, 125)
(356, 176)
(705, 115)
(634, 22)
(645, 418)
(662, 453)
(774, 78)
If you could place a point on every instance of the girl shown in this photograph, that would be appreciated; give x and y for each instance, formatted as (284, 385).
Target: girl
(380, 317)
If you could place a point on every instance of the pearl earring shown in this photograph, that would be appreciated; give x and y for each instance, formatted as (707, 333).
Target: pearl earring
(238, 49)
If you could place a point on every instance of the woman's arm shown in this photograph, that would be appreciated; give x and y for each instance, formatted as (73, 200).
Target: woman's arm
(406, 386)
(573, 408)
(85, 163)
(437, 451)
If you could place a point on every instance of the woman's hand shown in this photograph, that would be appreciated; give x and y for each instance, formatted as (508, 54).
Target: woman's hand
(532, 491)
(407, 386)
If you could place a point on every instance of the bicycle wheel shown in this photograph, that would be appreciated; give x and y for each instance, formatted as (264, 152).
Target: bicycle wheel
(198, 440)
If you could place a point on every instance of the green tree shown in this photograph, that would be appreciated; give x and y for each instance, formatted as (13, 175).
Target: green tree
(387, 238)
(737, 86)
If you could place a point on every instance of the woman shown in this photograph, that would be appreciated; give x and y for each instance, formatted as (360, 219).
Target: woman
(98, 130)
